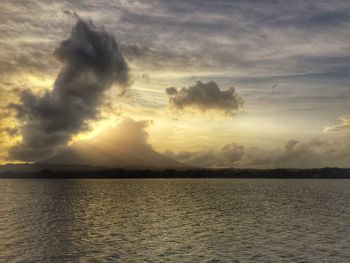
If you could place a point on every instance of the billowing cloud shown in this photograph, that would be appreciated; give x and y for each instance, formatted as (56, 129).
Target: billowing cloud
(204, 96)
(92, 63)
(128, 132)
(343, 126)
(123, 145)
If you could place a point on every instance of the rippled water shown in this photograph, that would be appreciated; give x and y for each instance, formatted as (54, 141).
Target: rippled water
(174, 220)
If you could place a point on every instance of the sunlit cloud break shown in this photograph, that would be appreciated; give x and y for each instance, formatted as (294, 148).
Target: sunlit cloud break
(343, 126)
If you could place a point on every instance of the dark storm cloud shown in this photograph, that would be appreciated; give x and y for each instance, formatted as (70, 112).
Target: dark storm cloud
(204, 96)
(92, 62)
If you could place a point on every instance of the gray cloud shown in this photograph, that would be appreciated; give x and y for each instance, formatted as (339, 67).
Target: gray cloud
(205, 96)
(92, 62)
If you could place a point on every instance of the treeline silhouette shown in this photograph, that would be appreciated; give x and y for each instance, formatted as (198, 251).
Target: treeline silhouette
(324, 173)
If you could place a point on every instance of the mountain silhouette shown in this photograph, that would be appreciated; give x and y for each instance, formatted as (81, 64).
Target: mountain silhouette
(132, 156)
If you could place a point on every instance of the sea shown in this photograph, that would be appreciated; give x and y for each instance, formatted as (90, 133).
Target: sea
(174, 220)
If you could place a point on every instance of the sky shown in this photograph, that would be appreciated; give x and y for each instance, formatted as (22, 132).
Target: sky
(259, 84)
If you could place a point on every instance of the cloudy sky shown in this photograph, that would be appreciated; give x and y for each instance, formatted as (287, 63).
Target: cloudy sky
(220, 83)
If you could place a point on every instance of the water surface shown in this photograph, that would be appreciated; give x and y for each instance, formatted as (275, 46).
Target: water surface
(194, 220)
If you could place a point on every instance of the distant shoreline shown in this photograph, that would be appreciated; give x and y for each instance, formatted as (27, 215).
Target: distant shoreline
(323, 173)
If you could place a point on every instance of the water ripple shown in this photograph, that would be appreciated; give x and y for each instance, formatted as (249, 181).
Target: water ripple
(88, 221)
